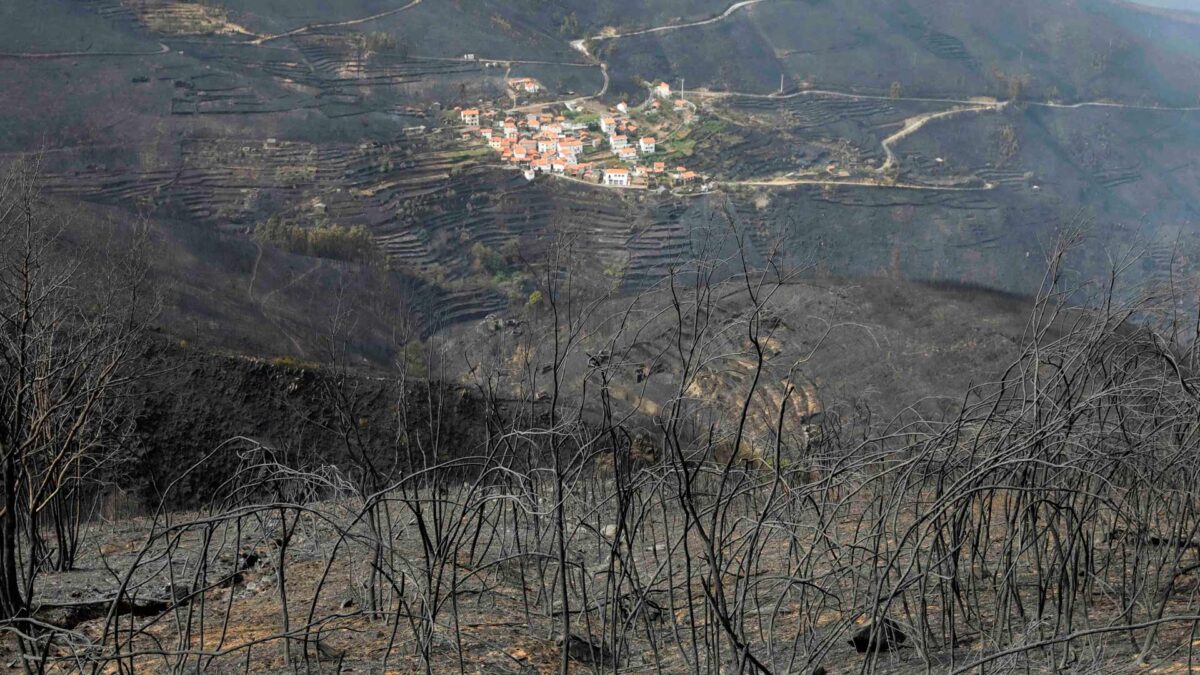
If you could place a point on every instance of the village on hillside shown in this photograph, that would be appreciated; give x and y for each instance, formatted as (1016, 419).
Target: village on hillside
(616, 147)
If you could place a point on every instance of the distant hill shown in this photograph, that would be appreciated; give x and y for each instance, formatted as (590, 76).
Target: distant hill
(1184, 5)
(210, 118)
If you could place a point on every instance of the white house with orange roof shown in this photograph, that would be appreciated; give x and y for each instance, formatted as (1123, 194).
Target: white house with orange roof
(627, 154)
(547, 143)
(525, 84)
(618, 141)
(662, 90)
(647, 145)
(470, 117)
(570, 147)
(608, 124)
(616, 177)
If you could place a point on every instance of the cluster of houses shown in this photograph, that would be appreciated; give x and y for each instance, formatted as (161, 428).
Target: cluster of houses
(550, 143)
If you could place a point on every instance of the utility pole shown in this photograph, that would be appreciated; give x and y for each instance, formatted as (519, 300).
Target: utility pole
(780, 83)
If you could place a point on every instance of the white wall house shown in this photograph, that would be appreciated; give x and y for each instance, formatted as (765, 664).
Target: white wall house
(616, 177)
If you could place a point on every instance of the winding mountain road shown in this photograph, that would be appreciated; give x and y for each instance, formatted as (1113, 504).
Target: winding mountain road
(790, 182)
(1110, 104)
(335, 24)
(914, 124)
(733, 9)
(162, 49)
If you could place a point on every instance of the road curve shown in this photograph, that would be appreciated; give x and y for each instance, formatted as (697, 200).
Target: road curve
(914, 124)
(662, 29)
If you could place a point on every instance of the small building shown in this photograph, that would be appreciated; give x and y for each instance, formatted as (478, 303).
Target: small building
(659, 167)
(616, 177)
(495, 142)
(608, 125)
(547, 143)
(622, 107)
(525, 84)
(468, 57)
(681, 105)
(627, 154)
(647, 145)
(470, 117)
(662, 90)
(618, 141)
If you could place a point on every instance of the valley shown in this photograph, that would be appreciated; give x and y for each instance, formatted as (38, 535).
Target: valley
(518, 336)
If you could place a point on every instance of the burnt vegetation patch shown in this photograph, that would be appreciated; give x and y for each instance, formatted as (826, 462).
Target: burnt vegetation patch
(645, 481)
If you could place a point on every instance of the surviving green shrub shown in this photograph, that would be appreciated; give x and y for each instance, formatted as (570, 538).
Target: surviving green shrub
(337, 242)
